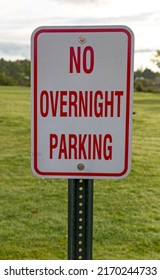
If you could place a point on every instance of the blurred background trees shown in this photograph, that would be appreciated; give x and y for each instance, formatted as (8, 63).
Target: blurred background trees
(15, 72)
(18, 73)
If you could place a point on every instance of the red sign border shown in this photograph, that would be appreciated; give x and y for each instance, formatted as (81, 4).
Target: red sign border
(128, 97)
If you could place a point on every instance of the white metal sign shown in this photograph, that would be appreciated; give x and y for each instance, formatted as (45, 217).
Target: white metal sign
(82, 101)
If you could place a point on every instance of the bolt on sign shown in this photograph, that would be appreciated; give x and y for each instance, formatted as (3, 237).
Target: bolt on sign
(82, 87)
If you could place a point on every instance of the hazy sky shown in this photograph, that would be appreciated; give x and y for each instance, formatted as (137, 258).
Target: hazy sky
(18, 18)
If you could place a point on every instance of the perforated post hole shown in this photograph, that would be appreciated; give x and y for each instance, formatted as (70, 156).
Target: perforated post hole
(81, 213)
(80, 210)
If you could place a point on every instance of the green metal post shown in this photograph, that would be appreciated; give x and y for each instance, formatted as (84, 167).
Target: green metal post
(80, 219)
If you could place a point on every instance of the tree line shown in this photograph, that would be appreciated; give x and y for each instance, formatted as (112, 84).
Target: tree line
(146, 80)
(17, 73)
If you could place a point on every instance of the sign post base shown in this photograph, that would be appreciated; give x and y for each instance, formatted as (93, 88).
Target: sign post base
(80, 219)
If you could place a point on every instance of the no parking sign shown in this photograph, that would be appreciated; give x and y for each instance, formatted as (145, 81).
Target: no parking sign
(82, 84)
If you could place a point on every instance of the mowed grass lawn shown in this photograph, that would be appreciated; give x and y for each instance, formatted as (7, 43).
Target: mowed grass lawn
(33, 211)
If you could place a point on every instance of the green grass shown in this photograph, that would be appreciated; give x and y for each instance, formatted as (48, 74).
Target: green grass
(33, 211)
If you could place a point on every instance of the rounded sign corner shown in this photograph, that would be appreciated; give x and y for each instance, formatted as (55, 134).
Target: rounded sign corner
(37, 172)
(127, 30)
(36, 32)
(125, 173)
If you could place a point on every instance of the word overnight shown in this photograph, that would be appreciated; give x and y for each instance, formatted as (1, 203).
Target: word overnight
(81, 103)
